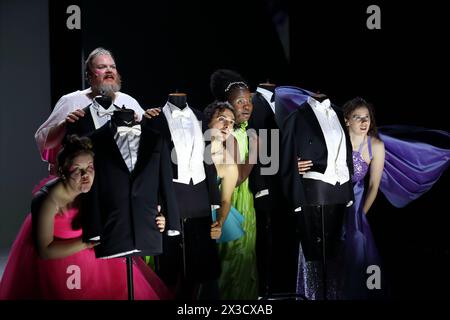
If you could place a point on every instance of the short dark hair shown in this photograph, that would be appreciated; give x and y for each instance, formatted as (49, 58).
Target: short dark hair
(217, 106)
(73, 146)
(356, 103)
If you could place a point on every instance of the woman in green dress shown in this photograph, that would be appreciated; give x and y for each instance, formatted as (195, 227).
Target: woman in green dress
(238, 279)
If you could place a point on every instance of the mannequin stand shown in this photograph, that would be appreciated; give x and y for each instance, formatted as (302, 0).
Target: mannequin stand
(324, 258)
(130, 278)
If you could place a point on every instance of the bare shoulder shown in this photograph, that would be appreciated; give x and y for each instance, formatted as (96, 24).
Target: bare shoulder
(231, 168)
(230, 172)
(377, 147)
(377, 143)
(55, 194)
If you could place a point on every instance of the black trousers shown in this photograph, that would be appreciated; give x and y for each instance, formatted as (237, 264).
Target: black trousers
(190, 258)
(325, 205)
(310, 229)
(276, 245)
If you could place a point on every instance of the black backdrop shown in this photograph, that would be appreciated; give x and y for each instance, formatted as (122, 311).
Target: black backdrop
(175, 45)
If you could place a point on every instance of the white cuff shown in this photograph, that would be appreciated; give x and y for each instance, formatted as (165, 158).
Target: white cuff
(97, 238)
(298, 209)
(262, 193)
(214, 207)
(172, 233)
(349, 203)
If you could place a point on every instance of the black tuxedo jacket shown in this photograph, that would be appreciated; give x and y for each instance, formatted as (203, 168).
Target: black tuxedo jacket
(161, 125)
(84, 126)
(263, 118)
(122, 205)
(303, 138)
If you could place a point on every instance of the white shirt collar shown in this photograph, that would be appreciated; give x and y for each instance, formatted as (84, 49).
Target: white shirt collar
(266, 93)
(322, 106)
(186, 110)
(98, 107)
(173, 107)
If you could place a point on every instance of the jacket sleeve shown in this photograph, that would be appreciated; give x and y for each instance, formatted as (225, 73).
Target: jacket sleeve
(262, 174)
(166, 191)
(210, 168)
(291, 180)
(213, 187)
(90, 208)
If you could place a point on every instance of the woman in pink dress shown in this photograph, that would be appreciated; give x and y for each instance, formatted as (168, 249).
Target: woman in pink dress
(48, 259)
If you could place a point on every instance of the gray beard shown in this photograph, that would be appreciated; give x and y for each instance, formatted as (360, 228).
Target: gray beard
(109, 89)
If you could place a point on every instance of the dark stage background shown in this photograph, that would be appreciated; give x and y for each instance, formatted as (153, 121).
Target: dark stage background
(161, 47)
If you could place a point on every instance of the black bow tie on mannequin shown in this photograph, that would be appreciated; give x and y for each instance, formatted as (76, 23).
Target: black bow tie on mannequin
(104, 101)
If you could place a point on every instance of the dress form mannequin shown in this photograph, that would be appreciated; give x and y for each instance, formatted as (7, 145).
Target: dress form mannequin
(275, 225)
(104, 101)
(268, 86)
(178, 99)
(120, 118)
(319, 96)
(322, 202)
(189, 260)
(123, 117)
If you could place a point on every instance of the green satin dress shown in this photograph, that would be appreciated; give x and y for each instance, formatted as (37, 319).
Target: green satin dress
(238, 279)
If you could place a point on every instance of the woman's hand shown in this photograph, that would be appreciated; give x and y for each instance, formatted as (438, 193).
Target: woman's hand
(152, 113)
(303, 166)
(161, 223)
(90, 245)
(216, 230)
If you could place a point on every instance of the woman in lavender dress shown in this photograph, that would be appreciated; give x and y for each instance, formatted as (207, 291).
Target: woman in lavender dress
(368, 156)
(399, 164)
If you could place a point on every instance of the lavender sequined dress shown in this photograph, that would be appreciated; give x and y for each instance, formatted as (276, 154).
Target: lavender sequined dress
(360, 250)
(413, 164)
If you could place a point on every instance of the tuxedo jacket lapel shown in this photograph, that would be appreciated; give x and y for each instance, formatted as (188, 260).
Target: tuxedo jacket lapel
(312, 120)
(265, 109)
(89, 122)
(146, 147)
(347, 140)
(160, 125)
(210, 169)
(83, 126)
(109, 146)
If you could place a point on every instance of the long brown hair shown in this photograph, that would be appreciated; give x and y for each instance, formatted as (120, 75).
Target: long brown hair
(356, 103)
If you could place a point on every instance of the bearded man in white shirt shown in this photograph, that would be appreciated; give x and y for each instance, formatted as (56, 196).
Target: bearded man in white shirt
(104, 79)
